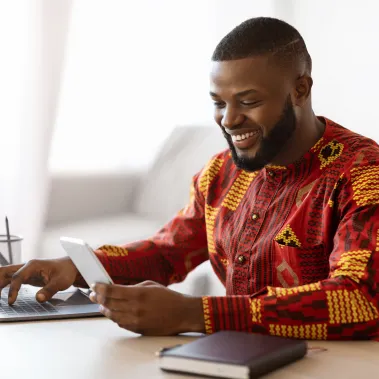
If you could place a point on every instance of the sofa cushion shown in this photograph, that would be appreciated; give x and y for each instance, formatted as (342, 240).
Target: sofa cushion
(165, 189)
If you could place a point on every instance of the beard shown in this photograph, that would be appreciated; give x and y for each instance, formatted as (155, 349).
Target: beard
(271, 145)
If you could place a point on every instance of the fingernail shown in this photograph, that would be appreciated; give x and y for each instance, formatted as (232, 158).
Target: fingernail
(92, 286)
(41, 297)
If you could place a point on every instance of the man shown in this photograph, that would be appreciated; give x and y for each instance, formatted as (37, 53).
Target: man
(288, 216)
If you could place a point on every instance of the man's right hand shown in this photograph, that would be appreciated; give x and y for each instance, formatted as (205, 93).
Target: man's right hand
(52, 274)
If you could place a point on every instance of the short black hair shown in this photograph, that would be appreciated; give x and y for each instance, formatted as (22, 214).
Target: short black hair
(264, 36)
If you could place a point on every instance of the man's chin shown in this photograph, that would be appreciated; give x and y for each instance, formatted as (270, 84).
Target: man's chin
(247, 163)
(246, 155)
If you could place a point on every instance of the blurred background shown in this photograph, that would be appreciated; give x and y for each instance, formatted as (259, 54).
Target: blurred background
(104, 107)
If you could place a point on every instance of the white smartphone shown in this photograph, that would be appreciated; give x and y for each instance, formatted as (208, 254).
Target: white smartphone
(85, 260)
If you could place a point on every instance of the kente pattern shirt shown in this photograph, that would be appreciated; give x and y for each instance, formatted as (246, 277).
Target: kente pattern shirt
(296, 247)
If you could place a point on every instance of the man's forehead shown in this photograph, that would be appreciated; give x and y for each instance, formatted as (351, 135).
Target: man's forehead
(255, 71)
(238, 67)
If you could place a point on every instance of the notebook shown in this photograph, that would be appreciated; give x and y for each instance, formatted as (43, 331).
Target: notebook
(230, 354)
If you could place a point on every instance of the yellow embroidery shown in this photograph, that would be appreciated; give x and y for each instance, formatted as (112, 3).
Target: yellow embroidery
(114, 251)
(209, 173)
(285, 266)
(359, 159)
(352, 264)
(238, 190)
(183, 211)
(288, 237)
(309, 331)
(377, 240)
(279, 292)
(329, 153)
(317, 145)
(302, 192)
(207, 318)
(256, 310)
(192, 193)
(338, 181)
(365, 183)
(224, 262)
(347, 307)
(273, 167)
(210, 217)
(330, 203)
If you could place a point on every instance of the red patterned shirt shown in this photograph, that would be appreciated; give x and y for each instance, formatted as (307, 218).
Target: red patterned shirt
(296, 247)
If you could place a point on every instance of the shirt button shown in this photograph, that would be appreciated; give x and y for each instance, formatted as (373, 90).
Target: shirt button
(254, 216)
(241, 259)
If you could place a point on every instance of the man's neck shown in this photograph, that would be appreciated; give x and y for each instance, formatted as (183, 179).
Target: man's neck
(308, 131)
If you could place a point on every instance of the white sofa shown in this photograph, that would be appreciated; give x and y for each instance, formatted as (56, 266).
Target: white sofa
(117, 208)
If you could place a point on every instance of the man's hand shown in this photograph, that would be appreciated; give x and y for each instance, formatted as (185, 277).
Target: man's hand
(52, 274)
(149, 308)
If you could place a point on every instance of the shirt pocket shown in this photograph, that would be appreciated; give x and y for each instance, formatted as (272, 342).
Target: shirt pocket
(296, 266)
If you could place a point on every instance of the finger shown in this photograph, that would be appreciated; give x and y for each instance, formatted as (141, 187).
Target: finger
(7, 271)
(116, 291)
(110, 303)
(115, 316)
(18, 278)
(148, 283)
(6, 274)
(48, 291)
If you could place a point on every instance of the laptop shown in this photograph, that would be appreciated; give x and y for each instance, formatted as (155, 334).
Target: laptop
(71, 303)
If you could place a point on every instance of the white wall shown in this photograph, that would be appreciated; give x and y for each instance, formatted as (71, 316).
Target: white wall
(32, 41)
(342, 38)
(135, 69)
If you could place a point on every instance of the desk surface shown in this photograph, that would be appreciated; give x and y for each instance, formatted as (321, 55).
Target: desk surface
(97, 349)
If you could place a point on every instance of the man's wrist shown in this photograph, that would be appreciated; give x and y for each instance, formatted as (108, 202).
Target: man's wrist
(193, 315)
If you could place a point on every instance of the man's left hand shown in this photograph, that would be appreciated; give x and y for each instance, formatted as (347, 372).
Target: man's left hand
(149, 308)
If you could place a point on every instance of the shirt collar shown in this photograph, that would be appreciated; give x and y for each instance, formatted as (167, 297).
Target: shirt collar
(317, 151)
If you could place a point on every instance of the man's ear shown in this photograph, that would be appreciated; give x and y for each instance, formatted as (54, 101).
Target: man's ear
(303, 88)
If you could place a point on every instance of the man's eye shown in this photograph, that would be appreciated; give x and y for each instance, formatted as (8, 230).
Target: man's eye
(250, 103)
(219, 104)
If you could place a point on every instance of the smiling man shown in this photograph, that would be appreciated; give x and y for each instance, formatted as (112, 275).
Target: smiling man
(288, 216)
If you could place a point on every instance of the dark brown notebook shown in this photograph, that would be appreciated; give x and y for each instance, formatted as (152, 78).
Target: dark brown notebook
(230, 354)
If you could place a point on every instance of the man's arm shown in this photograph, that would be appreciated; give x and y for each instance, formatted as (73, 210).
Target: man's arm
(343, 306)
(170, 254)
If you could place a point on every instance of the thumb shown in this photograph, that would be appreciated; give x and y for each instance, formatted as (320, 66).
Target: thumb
(48, 291)
(149, 283)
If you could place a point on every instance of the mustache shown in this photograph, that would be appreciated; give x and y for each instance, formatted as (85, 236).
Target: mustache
(270, 144)
(242, 127)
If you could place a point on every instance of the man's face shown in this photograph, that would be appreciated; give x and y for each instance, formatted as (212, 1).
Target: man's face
(253, 107)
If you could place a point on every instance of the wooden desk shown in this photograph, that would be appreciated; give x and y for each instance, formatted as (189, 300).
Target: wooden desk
(99, 349)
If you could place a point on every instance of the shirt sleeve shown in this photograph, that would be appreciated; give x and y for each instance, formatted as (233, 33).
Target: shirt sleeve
(169, 255)
(344, 305)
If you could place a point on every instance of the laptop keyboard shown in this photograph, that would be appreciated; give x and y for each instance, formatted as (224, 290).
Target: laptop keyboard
(25, 305)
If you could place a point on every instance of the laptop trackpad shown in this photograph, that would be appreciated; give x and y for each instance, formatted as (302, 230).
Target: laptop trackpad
(76, 297)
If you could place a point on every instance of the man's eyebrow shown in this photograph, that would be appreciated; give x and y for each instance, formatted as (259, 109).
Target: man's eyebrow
(243, 93)
(247, 92)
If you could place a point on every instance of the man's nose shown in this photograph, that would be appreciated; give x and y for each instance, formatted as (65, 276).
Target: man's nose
(231, 118)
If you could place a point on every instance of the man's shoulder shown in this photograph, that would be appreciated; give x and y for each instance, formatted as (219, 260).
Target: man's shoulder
(357, 149)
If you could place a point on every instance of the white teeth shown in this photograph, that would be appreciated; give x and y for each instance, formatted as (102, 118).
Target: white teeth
(241, 137)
